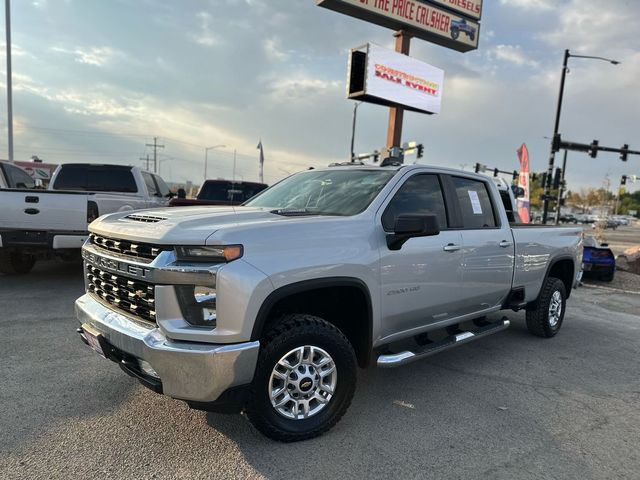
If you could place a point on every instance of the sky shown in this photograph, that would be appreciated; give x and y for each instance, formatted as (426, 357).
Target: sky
(96, 80)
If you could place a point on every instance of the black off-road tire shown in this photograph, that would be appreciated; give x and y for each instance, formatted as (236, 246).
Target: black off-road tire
(538, 321)
(290, 332)
(455, 34)
(15, 263)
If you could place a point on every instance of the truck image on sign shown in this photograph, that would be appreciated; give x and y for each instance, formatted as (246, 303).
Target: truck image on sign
(270, 307)
(461, 26)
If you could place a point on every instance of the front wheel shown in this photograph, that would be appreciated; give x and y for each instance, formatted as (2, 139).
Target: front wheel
(12, 263)
(545, 318)
(305, 379)
(455, 34)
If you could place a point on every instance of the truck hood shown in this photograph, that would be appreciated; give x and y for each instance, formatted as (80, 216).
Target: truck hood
(184, 225)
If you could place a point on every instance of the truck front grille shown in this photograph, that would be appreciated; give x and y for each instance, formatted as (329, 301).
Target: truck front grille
(131, 296)
(127, 248)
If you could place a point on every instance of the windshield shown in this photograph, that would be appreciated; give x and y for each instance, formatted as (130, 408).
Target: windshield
(324, 192)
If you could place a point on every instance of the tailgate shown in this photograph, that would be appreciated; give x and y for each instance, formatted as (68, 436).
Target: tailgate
(43, 210)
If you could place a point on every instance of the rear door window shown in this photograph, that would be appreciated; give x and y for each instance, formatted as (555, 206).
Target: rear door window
(420, 195)
(475, 203)
(18, 178)
(150, 183)
(163, 188)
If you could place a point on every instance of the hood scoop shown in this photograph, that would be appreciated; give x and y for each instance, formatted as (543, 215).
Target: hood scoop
(137, 217)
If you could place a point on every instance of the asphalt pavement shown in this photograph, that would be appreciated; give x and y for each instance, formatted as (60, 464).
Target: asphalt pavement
(509, 406)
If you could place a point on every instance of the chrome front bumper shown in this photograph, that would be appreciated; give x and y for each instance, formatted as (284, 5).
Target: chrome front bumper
(198, 372)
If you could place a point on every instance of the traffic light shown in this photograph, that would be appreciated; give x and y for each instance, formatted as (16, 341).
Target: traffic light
(420, 149)
(624, 153)
(495, 172)
(557, 178)
(376, 156)
(623, 180)
(593, 151)
(478, 167)
(516, 175)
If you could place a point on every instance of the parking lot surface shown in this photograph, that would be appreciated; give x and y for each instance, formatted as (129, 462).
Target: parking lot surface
(509, 406)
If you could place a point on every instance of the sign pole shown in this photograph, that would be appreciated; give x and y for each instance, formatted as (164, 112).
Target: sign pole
(396, 114)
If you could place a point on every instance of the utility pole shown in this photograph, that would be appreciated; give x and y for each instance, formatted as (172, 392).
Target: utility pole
(353, 131)
(396, 114)
(155, 153)
(561, 190)
(7, 18)
(146, 160)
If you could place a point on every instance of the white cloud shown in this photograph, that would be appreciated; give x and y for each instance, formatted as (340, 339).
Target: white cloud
(205, 36)
(273, 50)
(531, 4)
(513, 54)
(96, 56)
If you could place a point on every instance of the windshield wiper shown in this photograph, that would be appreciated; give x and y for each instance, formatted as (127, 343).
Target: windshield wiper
(299, 212)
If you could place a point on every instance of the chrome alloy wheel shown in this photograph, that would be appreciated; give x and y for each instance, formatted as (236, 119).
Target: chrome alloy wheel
(303, 382)
(555, 309)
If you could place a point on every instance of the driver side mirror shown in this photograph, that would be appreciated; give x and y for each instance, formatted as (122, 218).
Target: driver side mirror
(518, 192)
(412, 226)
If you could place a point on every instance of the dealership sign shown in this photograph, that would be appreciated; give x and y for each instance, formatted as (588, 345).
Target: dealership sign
(385, 77)
(419, 19)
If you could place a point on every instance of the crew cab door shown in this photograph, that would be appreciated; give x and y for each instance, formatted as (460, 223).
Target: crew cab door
(420, 282)
(487, 245)
(158, 191)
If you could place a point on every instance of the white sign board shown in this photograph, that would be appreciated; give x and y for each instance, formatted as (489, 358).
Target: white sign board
(470, 8)
(392, 78)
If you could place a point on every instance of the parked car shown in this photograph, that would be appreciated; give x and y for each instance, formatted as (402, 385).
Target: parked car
(221, 192)
(568, 218)
(269, 307)
(461, 26)
(45, 223)
(605, 223)
(598, 260)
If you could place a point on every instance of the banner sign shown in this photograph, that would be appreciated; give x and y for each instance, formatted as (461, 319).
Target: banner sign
(419, 19)
(523, 182)
(394, 79)
(469, 8)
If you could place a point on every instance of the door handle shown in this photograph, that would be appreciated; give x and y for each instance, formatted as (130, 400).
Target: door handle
(31, 211)
(505, 243)
(452, 247)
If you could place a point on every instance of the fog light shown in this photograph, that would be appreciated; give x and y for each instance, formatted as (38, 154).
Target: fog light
(198, 304)
(148, 369)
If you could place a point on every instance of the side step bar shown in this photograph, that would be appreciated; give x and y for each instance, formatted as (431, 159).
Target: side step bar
(397, 359)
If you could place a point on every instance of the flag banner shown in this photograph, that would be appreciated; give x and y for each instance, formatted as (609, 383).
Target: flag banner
(522, 203)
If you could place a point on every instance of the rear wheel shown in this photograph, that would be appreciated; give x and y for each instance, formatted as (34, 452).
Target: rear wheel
(12, 263)
(545, 318)
(305, 379)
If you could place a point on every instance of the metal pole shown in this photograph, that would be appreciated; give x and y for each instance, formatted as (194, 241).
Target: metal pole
(7, 5)
(396, 114)
(615, 212)
(552, 156)
(234, 164)
(206, 158)
(353, 131)
(561, 191)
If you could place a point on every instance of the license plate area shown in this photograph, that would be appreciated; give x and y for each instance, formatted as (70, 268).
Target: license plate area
(94, 339)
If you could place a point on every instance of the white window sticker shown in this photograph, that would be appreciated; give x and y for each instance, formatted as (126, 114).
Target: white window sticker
(475, 202)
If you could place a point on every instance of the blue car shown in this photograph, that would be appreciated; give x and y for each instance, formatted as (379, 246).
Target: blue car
(598, 261)
(461, 26)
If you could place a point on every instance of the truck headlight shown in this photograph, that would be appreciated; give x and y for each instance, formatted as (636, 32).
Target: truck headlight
(198, 305)
(210, 254)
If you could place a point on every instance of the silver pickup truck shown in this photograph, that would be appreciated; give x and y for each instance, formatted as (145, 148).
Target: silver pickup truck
(271, 307)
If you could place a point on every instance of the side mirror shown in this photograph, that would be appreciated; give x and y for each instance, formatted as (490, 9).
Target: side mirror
(412, 226)
(518, 192)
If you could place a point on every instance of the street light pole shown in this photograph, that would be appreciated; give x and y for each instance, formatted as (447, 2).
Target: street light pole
(561, 188)
(7, 13)
(556, 127)
(206, 157)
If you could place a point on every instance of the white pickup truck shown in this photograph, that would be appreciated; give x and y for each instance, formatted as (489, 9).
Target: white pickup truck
(271, 306)
(41, 223)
